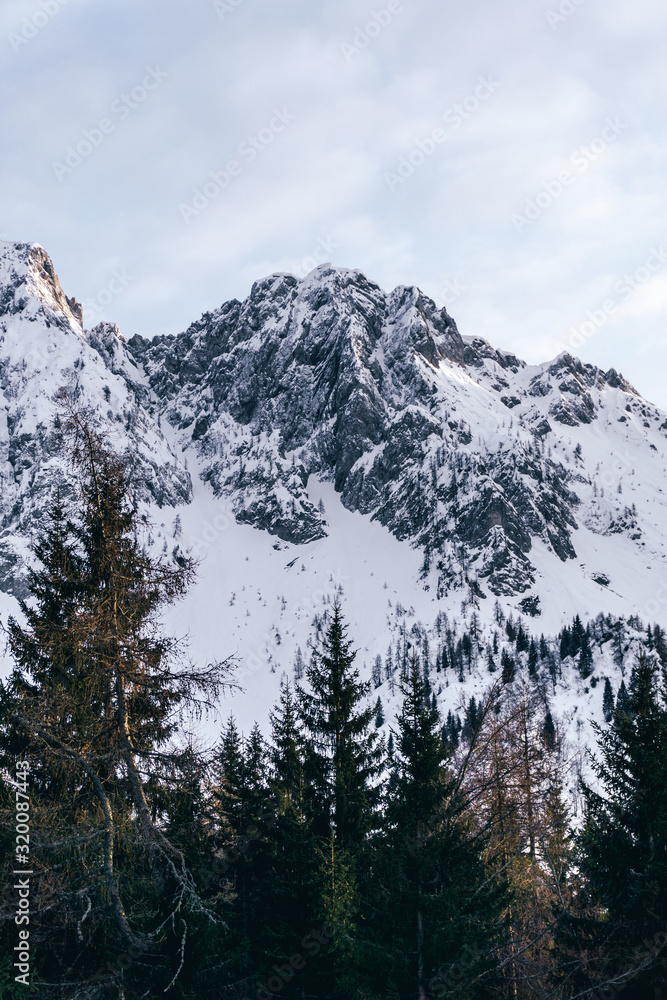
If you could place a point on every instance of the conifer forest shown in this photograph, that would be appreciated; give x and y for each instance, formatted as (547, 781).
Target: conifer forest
(327, 856)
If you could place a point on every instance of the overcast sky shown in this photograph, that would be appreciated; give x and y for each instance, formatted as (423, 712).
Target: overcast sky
(509, 158)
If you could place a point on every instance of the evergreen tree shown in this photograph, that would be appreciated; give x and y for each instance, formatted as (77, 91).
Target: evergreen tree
(508, 667)
(245, 820)
(343, 756)
(565, 644)
(379, 714)
(471, 723)
(532, 659)
(619, 642)
(230, 771)
(607, 701)
(434, 899)
(577, 635)
(93, 700)
(549, 732)
(299, 666)
(289, 889)
(585, 663)
(450, 732)
(623, 845)
(660, 645)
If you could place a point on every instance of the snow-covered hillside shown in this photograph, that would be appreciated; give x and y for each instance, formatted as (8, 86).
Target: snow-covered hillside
(327, 437)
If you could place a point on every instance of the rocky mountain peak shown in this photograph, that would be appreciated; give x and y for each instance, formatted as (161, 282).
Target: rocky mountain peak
(28, 280)
(488, 466)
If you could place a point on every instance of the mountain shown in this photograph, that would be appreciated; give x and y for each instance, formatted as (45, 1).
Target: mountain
(324, 435)
(458, 448)
(43, 346)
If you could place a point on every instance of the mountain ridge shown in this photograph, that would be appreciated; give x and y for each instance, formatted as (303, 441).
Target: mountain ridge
(377, 392)
(326, 437)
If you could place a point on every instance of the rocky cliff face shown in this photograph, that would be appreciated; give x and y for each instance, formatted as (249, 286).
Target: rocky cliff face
(42, 348)
(456, 447)
(493, 469)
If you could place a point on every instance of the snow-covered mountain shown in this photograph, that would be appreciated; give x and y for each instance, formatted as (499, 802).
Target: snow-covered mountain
(326, 435)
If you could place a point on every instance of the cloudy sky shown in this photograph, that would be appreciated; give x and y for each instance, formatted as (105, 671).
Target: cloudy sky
(510, 159)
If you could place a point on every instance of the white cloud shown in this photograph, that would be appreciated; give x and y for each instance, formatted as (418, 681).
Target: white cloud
(324, 175)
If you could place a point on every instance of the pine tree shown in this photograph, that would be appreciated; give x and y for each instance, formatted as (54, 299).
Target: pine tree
(577, 635)
(471, 724)
(508, 667)
(298, 664)
(450, 732)
(622, 699)
(434, 899)
(619, 642)
(585, 662)
(290, 882)
(229, 769)
(379, 714)
(342, 759)
(660, 645)
(522, 643)
(343, 756)
(246, 817)
(549, 732)
(607, 701)
(532, 659)
(565, 644)
(623, 845)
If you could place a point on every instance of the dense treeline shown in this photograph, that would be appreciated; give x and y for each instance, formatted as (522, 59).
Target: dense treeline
(322, 860)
